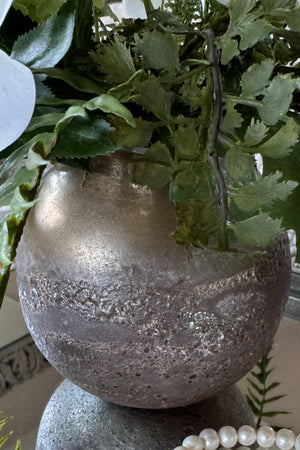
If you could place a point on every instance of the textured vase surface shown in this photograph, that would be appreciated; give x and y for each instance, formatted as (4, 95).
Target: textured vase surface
(125, 313)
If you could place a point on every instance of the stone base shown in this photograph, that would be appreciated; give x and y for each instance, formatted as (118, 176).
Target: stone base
(77, 420)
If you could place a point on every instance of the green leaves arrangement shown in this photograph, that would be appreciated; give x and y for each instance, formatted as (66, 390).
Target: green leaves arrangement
(193, 91)
(260, 395)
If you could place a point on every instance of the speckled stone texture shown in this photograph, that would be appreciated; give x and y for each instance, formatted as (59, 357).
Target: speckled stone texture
(76, 420)
(122, 311)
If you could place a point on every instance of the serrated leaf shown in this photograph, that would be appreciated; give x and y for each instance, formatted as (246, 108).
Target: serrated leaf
(47, 44)
(157, 50)
(282, 143)
(247, 230)
(289, 209)
(79, 82)
(39, 10)
(232, 120)
(159, 153)
(129, 137)
(99, 3)
(241, 167)
(191, 184)
(277, 99)
(153, 98)
(238, 10)
(253, 33)
(293, 19)
(187, 142)
(263, 192)
(229, 49)
(256, 78)
(83, 138)
(114, 59)
(153, 175)
(255, 133)
(111, 105)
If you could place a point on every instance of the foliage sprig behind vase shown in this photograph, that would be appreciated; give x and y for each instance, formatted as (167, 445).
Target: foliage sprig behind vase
(194, 91)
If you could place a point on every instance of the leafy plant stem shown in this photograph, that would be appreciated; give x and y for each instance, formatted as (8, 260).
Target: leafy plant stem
(213, 57)
(96, 23)
(243, 101)
(148, 5)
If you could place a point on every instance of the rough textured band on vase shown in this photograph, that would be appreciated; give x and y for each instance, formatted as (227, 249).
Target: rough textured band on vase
(122, 311)
(76, 420)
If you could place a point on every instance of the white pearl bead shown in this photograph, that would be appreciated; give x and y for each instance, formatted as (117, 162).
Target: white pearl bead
(246, 435)
(285, 439)
(194, 442)
(265, 436)
(228, 436)
(180, 448)
(297, 442)
(211, 438)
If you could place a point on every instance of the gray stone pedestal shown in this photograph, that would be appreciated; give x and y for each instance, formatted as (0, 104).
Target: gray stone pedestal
(77, 420)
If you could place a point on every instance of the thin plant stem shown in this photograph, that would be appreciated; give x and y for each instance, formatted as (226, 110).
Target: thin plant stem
(213, 57)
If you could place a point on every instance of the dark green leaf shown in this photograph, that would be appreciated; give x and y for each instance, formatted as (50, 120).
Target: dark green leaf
(83, 138)
(47, 44)
(254, 32)
(129, 137)
(153, 98)
(272, 386)
(254, 408)
(229, 49)
(187, 142)
(259, 390)
(157, 50)
(273, 413)
(274, 399)
(153, 175)
(124, 91)
(254, 398)
(159, 153)
(78, 82)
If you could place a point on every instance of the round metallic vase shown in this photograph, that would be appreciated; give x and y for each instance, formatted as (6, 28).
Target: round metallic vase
(125, 313)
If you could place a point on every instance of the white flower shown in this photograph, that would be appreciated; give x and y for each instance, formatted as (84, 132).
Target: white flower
(17, 93)
(135, 8)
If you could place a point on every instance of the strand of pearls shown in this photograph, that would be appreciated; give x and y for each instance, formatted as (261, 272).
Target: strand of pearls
(227, 437)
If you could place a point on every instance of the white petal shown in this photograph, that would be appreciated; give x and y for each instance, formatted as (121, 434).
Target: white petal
(135, 8)
(17, 99)
(5, 5)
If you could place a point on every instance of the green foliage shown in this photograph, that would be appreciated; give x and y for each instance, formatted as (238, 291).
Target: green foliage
(260, 390)
(38, 10)
(47, 44)
(185, 10)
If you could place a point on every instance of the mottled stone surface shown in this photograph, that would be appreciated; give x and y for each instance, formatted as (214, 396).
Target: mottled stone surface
(76, 420)
(122, 311)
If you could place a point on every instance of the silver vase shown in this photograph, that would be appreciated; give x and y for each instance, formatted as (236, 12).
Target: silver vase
(122, 311)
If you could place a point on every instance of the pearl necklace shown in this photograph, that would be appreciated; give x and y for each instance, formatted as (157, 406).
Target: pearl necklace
(228, 437)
